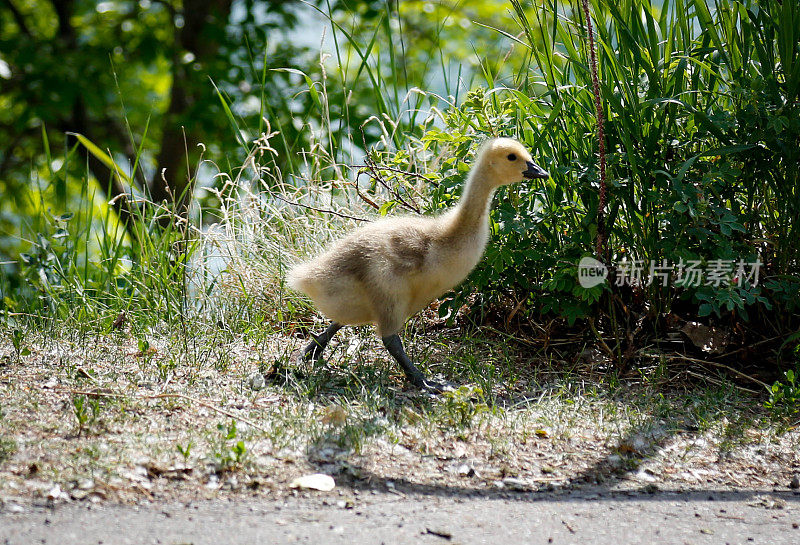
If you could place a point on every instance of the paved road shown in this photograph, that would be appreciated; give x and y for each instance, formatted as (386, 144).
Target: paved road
(748, 517)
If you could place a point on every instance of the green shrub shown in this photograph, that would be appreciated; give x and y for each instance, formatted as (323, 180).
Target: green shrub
(784, 396)
(703, 134)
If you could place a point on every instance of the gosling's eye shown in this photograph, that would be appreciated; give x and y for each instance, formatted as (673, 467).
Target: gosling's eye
(512, 157)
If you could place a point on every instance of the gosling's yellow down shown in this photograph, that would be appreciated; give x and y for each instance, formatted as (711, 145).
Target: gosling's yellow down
(387, 271)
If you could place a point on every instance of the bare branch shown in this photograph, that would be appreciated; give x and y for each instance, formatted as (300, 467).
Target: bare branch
(321, 210)
(373, 171)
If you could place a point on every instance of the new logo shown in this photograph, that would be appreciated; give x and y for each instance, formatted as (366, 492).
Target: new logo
(591, 272)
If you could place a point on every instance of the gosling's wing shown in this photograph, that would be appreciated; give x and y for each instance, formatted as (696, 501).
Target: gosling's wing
(382, 251)
(407, 250)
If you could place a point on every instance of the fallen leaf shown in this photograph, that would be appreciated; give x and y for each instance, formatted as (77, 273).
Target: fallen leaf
(335, 415)
(120, 321)
(712, 340)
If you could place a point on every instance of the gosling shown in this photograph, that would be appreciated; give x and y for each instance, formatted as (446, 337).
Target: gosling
(387, 271)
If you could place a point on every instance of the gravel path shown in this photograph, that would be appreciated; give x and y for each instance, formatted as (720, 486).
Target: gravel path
(597, 517)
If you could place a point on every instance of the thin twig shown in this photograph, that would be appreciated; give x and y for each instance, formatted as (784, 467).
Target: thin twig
(321, 210)
(404, 173)
(373, 172)
(713, 364)
(600, 243)
(732, 352)
(717, 382)
(365, 198)
(603, 343)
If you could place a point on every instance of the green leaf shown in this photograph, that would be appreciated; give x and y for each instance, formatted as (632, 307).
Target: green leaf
(101, 156)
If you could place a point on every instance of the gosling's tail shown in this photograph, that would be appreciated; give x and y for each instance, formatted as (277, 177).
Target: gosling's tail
(297, 277)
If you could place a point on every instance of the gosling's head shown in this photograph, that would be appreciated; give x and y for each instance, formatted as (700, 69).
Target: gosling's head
(508, 161)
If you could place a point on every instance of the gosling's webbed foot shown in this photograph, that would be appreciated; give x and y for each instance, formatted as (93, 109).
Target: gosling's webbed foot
(395, 347)
(312, 351)
(315, 348)
(435, 386)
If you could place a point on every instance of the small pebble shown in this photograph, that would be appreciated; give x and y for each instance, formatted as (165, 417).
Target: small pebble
(466, 470)
(517, 485)
(15, 508)
(257, 381)
(795, 483)
(444, 534)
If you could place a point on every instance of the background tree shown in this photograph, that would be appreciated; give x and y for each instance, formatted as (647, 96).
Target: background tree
(127, 74)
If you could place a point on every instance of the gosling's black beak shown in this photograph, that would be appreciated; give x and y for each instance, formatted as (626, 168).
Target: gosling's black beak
(535, 171)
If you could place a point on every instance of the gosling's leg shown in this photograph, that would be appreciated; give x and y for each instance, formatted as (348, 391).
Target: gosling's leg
(395, 347)
(318, 342)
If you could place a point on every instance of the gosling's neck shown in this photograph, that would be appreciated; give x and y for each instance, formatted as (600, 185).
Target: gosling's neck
(472, 211)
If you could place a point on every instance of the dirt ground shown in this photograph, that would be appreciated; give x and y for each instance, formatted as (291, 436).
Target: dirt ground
(106, 440)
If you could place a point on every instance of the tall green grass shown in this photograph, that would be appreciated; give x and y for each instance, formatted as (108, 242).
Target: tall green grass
(703, 127)
(84, 268)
